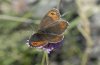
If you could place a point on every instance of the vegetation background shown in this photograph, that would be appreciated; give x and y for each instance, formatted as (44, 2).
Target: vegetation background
(20, 18)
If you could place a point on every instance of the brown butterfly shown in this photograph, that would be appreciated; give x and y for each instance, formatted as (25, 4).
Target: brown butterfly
(50, 31)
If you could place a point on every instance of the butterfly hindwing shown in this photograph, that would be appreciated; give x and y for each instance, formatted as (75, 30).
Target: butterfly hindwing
(37, 40)
(53, 38)
(40, 39)
(56, 28)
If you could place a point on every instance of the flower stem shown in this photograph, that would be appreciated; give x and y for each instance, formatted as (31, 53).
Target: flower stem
(43, 59)
(47, 59)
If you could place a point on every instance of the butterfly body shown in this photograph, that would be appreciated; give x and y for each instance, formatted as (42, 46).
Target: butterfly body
(50, 31)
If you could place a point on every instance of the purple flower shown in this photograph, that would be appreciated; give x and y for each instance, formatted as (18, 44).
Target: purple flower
(50, 46)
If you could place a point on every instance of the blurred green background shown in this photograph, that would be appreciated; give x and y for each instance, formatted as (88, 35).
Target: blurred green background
(20, 18)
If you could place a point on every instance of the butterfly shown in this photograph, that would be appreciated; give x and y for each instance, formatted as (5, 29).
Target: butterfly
(50, 30)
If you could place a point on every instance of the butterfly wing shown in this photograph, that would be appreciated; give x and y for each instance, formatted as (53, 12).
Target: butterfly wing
(56, 28)
(53, 38)
(39, 39)
(50, 18)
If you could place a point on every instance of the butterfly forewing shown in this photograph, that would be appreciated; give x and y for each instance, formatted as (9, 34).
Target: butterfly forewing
(50, 18)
